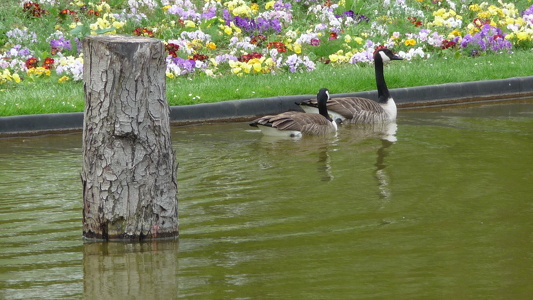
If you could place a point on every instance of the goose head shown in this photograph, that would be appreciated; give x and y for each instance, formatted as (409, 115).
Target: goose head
(385, 55)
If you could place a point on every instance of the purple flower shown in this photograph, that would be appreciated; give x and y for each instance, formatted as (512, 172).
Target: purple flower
(187, 64)
(488, 39)
(209, 14)
(260, 25)
(528, 11)
(348, 13)
(60, 44)
(282, 6)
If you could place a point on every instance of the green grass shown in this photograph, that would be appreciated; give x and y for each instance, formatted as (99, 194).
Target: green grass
(49, 96)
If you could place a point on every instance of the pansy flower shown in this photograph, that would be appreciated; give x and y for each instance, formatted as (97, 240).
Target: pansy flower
(48, 63)
(31, 63)
(143, 32)
(34, 9)
(278, 46)
(172, 49)
(414, 21)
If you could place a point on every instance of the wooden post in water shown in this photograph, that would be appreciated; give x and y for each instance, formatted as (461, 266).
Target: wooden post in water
(129, 167)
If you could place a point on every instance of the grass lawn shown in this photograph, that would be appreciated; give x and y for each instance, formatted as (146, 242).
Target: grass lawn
(49, 96)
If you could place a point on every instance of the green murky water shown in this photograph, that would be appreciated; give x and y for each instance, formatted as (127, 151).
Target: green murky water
(443, 212)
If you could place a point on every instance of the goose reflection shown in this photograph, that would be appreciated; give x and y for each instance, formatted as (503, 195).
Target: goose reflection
(386, 132)
(306, 146)
(387, 139)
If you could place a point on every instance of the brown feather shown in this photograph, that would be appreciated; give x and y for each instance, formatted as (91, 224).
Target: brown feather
(354, 109)
(297, 121)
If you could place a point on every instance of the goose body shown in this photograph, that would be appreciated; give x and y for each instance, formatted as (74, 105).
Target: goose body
(362, 110)
(296, 124)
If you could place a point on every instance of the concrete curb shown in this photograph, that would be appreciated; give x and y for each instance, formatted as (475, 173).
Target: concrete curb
(240, 110)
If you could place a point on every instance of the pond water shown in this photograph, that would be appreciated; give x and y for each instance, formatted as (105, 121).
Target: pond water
(441, 208)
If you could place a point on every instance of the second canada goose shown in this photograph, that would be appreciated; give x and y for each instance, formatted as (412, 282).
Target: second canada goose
(295, 123)
(363, 110)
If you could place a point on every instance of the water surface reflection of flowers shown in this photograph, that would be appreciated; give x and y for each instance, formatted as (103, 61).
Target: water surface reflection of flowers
(243, 38)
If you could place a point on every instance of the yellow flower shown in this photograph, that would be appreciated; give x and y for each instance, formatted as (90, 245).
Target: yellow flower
(170, 75)
(297, 48)
(63, 79)
(118, 25)
(523, 36)
(455, 33)
(246, 67)
(439, 12)
(483, 15)
(474, 7)
(244, 11)
(16, 77)
(347, 38)
(210, 73)
(211, 45)
(410, 42)
(189, 23)
(269, 4)
(227, 30)
(257, 67)
(103, 7)
(39, 71)
(334, 57)
(166, 7)
(254, 7)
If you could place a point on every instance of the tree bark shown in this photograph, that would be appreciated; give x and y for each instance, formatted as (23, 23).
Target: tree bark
(129, 167)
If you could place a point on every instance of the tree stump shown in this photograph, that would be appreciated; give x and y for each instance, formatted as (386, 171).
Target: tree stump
(129, 167)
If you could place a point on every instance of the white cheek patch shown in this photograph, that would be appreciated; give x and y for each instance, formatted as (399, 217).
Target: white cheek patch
(384, 57)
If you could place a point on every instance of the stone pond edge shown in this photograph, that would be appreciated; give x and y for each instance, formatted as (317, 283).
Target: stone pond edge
(247, 109)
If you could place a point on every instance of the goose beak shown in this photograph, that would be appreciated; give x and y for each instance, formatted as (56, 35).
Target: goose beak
(396, 57)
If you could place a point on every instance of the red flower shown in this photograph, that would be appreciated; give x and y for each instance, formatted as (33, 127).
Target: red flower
(143, 32)
(447, 44)
(67, 12)
(200, 57)
(172, 49)
(92, 12)
(415, 21)
(278, 45)
(258, 39)
(333, 35)
(480, 23)
(31, 63)
(34, 9)
(48, 63)
(247, 57)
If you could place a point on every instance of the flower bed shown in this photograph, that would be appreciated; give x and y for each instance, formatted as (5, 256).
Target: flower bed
(243, 38)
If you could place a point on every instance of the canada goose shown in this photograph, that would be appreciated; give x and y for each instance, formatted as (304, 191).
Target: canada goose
(296, 123)
(363, 110)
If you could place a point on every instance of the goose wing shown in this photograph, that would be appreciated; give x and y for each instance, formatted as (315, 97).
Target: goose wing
(355, 109)
(297, 121)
